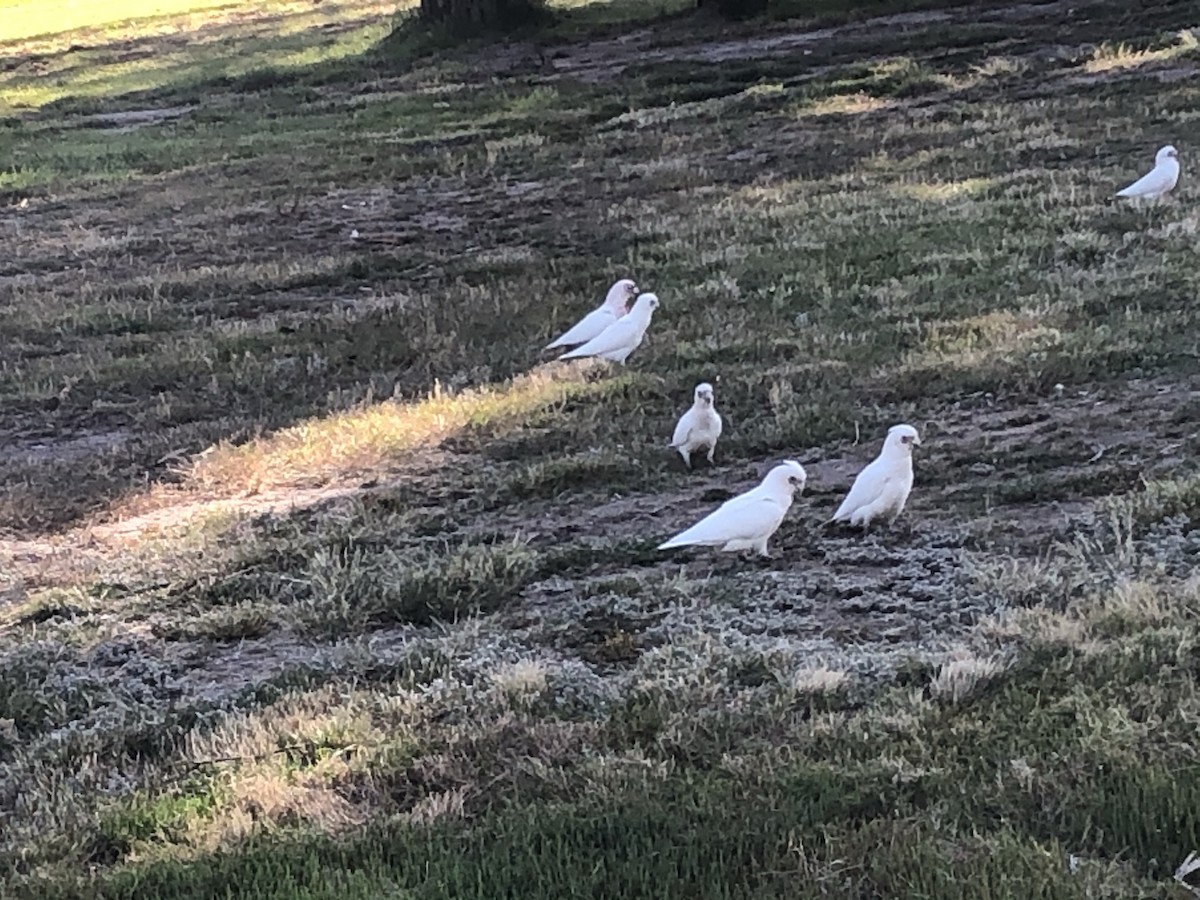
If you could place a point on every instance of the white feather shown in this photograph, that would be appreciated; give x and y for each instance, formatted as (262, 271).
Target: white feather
(881, 489)
(1159, 180)
(747, 521)
(623, 336)
(613, 307)
(699, 427)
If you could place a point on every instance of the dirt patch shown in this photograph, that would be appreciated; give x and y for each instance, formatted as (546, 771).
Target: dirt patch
(85, 551)
(132, 119)
(59, 449)
(602, 60)
(166, 518)
(911, 586)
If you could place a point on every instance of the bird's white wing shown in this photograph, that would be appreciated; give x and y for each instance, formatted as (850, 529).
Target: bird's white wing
(618, 335)
(1155, 182)
(746, 518)
(686, 423)
(585, 329)
(888, 500)
(865, 489)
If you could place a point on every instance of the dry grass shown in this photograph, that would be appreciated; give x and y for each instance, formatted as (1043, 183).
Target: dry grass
(375, 437)
(522, 678)
(820, 680)
(1109, 57)
(843, 104)
(963, 677)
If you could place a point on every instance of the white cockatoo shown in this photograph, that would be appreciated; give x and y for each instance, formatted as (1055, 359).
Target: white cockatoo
(699, 427)
(622, 337)
(881, 489)
(615, 305)
(1158, 180)
(747, 521)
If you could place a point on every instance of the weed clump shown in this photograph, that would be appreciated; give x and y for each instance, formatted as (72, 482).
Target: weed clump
(355, 589)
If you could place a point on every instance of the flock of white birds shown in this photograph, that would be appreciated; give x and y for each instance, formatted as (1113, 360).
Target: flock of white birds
(747, 522)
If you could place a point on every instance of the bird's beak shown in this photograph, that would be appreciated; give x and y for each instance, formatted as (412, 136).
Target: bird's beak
(916, 441)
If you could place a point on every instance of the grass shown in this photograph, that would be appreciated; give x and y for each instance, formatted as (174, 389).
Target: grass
(25, 20)
(318, 578)
(101, 51)
(366, 437)
(1107, 57)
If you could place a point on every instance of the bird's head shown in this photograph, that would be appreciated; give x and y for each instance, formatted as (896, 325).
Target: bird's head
(647, 302)
(1167, 152)
(789, 476)
(903, 438)
(704, 394)
(620, 294)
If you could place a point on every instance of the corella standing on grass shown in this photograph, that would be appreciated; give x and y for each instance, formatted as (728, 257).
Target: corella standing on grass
(615, 305)
(747, 521)
(623, 336)
(699, 427)
(882, 488)
(1159, 180)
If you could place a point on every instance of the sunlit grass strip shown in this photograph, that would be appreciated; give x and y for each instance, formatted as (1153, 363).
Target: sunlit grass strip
(1107, 57)
(47, 27)
(949, 190)
(842, 104)
(206, 55)
(369, 437)
(24, 20)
